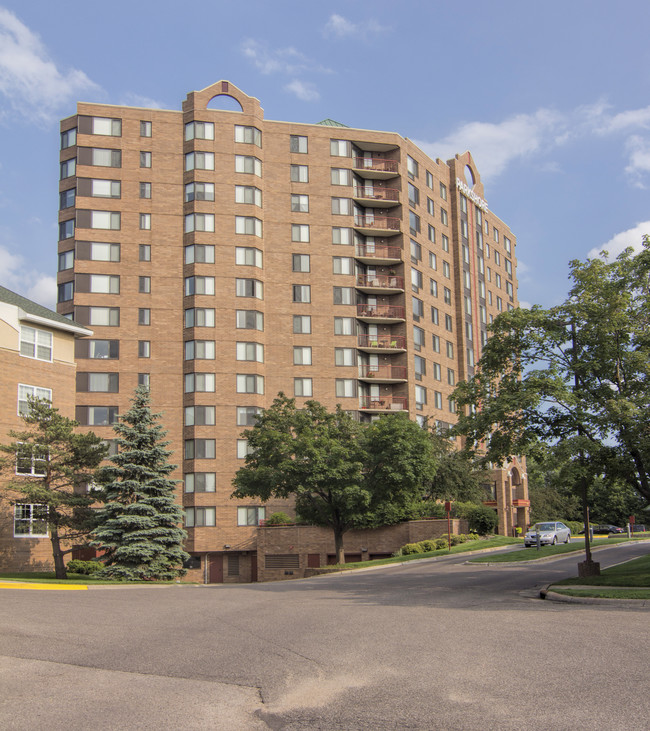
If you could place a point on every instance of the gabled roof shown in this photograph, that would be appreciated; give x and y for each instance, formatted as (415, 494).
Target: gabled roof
(333, 123)
(36, 312)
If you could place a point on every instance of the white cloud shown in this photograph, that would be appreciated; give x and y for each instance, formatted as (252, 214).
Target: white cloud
(130, 99)
(639, 160)
(632, 118)
(303, 90)
(288, 60)
(29, 80)
(339, 27)
(18, 277)
(494, 146)
(632, 237)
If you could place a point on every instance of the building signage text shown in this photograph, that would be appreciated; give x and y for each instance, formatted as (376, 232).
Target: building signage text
(477, 200)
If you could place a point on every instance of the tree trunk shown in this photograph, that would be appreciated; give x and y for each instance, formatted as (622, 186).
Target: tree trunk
(59, 565)
(338, 545)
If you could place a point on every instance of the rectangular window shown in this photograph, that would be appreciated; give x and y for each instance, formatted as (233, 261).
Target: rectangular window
(68, 138)
(413, 195)
(68, 168)
(98, 283)
(433, 287)
(449, 323)
(96, 415)
(97, 251)
(248, 135)
(341, 206)
(437, 371)
(345, 356)
(302, 387)
(144, 349)
(431, 233)
(34, 392)
(429, 179)
(300, 262)
(299, 174)
(246, 194)
(200, 350)
(145, 221)
(199, 131)
(435, 316)
(31, 460)
(412, 167)
(418, 308)
(446, 269)
(248, 225)
(145, 128)
(451, 377)
(302, 324)
(414, 223)
(430, 207)
(145, 159)
(301, 355)
(437, 399)
(250, 320)
(342, 236)
(301, 293)
(433, 260)
(98, 382)
(199, 382)
(199, 222)
(420, 366)
(297, 143)
(200, 449)
(199, 254)
(346, 387)
(418, 338)
(443, 191)
(343, 296)
(344, 326)
(342, 265)
(199, 317)
(300, 232)
(341, 176)
(199, 416)
(248, 256)
(96, 188)
(66, 260)
(66, 229)
(145, 190)
(340, 148)
(196, 161)
(444, 218)
(250, 352)
(200, 482)
(416, 252)
(250, 383)
(249, 288)
(144, 316)
(247, 415)
(250, 516)
(420, 397)
(248, 164)
(417, 280)
(106, 126)
(200, 517)
(30, 520)
(108, 220)
(450, 350)
(435, 344)
(65, 292)
(98, 316)
(199, 192)
(299, 203)
(66, 199)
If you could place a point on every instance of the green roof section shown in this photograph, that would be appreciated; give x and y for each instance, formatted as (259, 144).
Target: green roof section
(333, 123)
(33, 308)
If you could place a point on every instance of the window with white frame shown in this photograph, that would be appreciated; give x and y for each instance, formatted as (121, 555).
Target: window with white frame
(248, 256)
(25, 392)
(199, 131)
(420, 397)
(35, 343)
(248, 194)
(31, 460)
(250, 383)
(30, 520)
(248, 225)
(248, 135)
(243, 449)
(248, 164)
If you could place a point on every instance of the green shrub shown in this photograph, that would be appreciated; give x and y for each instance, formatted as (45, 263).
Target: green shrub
(428, 545)
(441, 543)
(278, 519)
(410, 548)
(574, 525)
(427, 509)
(472, 537)
(75, 566)
(482, 519)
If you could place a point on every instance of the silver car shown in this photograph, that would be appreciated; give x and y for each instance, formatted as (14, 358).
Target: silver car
(549, 534)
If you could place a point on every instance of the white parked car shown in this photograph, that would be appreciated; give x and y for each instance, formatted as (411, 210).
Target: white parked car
(549, 534)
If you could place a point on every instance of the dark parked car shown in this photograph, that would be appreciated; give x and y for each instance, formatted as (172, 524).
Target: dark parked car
(606, 528)
(638, 528)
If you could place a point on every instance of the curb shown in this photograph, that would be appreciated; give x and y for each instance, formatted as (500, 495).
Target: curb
(35, 586)
(564, 599)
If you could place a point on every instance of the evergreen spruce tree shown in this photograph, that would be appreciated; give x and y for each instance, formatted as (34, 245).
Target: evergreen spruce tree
(138, 527)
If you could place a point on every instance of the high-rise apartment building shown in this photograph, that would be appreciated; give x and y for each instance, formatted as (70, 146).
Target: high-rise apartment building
(221, 258)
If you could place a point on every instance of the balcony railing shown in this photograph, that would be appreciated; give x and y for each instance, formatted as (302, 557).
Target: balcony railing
(376, 193)
(385, 223)
(385, 372)
(381, 281)
(393, 312)
(378, 251)
(385, 403)
(378, 164)
(387, 342)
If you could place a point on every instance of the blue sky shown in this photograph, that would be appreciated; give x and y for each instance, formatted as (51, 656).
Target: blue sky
(553, 100)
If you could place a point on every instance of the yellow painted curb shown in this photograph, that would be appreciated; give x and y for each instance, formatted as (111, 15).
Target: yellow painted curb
(42, 587)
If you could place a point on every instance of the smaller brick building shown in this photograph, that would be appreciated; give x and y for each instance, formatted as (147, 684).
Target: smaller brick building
(36, 359)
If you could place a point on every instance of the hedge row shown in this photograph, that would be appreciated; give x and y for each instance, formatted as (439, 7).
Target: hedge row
(436, 544)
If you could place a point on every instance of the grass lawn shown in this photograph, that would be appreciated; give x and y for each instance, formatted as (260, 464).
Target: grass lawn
(531, 554)
(483, 543)
(631, 573)
(605, 593)
(49, 578)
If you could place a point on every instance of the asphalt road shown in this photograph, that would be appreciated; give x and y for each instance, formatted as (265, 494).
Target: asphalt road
(430, 645)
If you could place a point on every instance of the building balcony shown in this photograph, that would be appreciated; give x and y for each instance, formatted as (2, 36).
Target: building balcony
(381, 343)
(378, 254)
(382, 373)
(382, 404)
(520, 503)
(373, 196)
(377, 225)
(380, 283)
(381, 313)
(375, 167)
